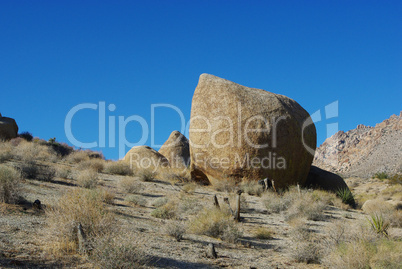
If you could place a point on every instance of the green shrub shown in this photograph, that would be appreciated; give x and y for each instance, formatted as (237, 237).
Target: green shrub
(346, 196)
(26, 135)
(381, 175)
(9, 185)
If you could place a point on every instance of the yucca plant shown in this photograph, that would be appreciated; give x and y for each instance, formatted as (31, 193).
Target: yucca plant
(346, 196)
(379, 225)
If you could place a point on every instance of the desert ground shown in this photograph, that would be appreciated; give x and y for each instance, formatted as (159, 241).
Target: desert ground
(160, 219)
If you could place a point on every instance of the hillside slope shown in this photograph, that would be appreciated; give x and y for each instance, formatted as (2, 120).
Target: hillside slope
(364, 151)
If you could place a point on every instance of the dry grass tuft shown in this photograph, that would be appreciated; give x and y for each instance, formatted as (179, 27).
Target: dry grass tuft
(130, 185)
(146, 175)
(136, 200)
(87, 178)
(77, 157)
(118, 251)
(10, 190)
(175, 229)
(263, 233)
(118, 168)
(166, 211)
(216, 223)
(94, 164)
(225, 185)
(77, 206)
(251, 188)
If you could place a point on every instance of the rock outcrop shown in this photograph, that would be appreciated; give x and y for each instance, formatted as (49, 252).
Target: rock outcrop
(144, 157)
(177, 150)
(8, 128)
(364, 151)
(246, 133)
(324, 180)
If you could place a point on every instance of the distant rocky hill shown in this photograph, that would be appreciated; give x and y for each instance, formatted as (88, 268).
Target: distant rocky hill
(364, 151)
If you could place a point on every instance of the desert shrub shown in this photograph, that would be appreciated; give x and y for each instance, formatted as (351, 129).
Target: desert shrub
(189, 188)
(275, 203)
(130, 185)
(26, 135)
(167, 211)
(118, 168)
(263, 233)
(378, 224)
(10, 190)
(216, 223)
(381, 175)
(77, 157)
(108, 195)
(5, 151)
(305, 207)
(328, 198)
(388, 254)
(396, 179)
(225, 185)
(160, 202)
(175, 229)
(306, 246)
(175, 176)
(63, 172)
(87, 178)
(346, 196)
(77, 206)
(30, 152)
(394, 192)
(118, 251)
(251, 188)
(94, 164)
(146, 175)
(136, 200)
(34, 170)
(61, 149)
(189, 206)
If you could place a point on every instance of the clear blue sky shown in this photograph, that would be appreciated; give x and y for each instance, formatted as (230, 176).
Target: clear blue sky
(55, 55)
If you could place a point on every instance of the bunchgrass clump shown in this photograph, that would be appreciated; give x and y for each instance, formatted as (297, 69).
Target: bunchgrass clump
(77, 206)
(216, 223)
(118, 251)
(10, 190)
(251, 188)
(130, 185)
(167, 211)
(263, 233)
(381, 175)
(87, 178)
(118, 168)
(136, 200)
(175, 229)
(146, 175)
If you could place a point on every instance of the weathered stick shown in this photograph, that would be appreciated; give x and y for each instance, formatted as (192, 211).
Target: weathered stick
(216, 203)
(82, 239)
(266, 183)
(273, 185)
(298, 188)
(211, 253)
(226, 200)
(237, 217)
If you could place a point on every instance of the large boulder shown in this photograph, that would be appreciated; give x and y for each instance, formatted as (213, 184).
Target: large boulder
(144, 157)
(321, 179)
(8, 128)
(245, 133)
(176, 149)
